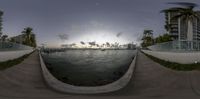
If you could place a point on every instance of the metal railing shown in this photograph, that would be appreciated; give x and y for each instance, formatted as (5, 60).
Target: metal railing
(177, 46)
(7, 46)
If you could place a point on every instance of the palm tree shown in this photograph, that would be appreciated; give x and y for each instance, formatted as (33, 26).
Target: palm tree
(0, 35)
(33, 40)
(186, 14)
(164, 38)
(83, 43)
(107, 44)
(4, 37)
(168, 27)
(147, 38)
(28, 35)
(1, 13)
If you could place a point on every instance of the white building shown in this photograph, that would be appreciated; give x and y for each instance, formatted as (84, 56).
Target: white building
(18, 39)
(177, 27)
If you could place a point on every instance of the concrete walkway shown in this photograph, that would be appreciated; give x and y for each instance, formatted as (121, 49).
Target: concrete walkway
(155, 81)
(150, 80)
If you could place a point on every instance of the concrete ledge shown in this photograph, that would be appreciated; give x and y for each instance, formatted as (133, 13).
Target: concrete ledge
(10, 55)
(178, 57)
(67, 88)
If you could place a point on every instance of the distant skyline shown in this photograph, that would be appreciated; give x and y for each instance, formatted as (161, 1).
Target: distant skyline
(57, 22)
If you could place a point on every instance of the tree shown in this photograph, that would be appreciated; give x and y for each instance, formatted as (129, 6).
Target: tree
(33, 40)
(0, 36)
(164, 38)
(1, 14)
(83, 43)
(168, 27)
(4, 37)
(186, 14)
(147, 38)
(107, 44)
(29, 37)
(12, 40)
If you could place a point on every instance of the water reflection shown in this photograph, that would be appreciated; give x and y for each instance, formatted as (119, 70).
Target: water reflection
(88, 67)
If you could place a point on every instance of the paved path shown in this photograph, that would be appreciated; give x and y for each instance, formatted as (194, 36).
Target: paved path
(150, 80)
(24, 80)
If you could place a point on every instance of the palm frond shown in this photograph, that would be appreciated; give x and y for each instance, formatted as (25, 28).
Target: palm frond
(196, 15)
(174, 9)
(177, 16)
(186, 4)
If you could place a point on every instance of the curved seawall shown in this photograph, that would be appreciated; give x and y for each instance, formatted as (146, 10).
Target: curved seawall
(67, 88)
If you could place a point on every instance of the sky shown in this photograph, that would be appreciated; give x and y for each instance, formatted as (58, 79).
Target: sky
(57, 22)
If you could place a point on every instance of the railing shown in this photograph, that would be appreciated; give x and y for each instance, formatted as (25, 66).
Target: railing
(7, 46)
(176, 46)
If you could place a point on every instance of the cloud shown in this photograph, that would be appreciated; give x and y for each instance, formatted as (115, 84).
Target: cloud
(63, 36)
(119, 34)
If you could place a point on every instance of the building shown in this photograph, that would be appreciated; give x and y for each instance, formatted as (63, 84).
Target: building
(18, 39)
(131, 46)
(196, 28)
(1, 14)
(177, 27)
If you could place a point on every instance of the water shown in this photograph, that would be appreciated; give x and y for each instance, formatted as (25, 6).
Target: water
(88, 67)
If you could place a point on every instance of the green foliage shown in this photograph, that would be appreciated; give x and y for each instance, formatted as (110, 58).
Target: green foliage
(4, 37)
(1, 14)
(175, 66)
(168, 26)
(163, 38)
(29, 37)
(12, 40)
(147, 41)
(147, 38)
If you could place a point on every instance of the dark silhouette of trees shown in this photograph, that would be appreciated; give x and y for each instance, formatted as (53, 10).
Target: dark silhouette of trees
(29, 37)
(163, 38)
(1, 14)
(83, 43)
(107, 44)
(4, 37)
(147, 38)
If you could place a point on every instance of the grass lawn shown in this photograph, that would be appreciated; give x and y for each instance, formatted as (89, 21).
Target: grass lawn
(10, 63)
(175, 66)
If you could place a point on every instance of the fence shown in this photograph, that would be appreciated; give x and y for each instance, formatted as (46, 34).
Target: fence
(9, 46)
(177, 46)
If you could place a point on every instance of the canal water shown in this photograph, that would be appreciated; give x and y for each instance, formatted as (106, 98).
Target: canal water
(88, 67)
